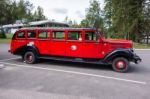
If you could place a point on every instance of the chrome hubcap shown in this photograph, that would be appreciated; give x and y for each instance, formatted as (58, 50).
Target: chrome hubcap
(120, 64)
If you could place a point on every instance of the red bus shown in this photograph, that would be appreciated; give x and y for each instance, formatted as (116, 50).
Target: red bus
(73, 44)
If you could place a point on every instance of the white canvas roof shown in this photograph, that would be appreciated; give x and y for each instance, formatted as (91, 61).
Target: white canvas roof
(44, 22)
(13, 25)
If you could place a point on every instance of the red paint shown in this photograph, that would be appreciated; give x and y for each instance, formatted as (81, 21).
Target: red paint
(18, 42)
(72, 48)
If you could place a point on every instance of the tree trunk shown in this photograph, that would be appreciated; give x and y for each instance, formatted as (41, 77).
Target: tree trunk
(147, 38)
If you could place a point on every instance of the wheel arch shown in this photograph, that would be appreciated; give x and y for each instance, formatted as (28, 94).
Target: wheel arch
(22, 50)
(118, 53)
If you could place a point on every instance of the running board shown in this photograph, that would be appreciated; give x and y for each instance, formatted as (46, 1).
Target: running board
(78, 60)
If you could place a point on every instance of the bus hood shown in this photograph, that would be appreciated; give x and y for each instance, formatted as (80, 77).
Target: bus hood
(114, 44)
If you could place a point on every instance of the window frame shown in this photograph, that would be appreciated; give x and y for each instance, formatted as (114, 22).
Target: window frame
(48, 33)
(55, 39)
(21, 32)
(93, 32)
(75, 40)
(29, 31)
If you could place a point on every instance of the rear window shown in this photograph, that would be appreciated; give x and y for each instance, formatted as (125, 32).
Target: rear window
(31, 34)
(59, 35)
(21, 34)
(44, 35)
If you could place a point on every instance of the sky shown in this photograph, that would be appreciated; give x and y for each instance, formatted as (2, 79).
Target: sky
(60, 9)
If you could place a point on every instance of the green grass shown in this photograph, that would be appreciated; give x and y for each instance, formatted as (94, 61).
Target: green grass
(9, 36)
(141, 46)
(7, 40)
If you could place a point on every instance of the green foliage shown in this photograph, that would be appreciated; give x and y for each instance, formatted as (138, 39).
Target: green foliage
(93, 17)
(2, 34)
(72, 23)
(146, 20)
(9, 35)
(38, 14)
(127, 18)
(93, 13)
(12, 10)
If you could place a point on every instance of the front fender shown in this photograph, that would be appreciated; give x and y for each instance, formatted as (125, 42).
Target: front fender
(127, 53)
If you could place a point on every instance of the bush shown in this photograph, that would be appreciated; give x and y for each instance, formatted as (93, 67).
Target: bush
(2, 34)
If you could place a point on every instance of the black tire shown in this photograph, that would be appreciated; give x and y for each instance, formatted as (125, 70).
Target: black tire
(30, 57)
(120, 64)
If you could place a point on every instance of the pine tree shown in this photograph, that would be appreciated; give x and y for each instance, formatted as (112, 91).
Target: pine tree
(125, 18)
(93, 17)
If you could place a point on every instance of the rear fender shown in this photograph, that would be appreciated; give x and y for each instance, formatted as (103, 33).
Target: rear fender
(23, 49)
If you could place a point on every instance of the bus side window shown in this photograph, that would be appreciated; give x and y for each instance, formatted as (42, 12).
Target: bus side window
(21, 34)
(75, 35)
(60, 35)
(91, 36)
(44, 35)
(31, 34)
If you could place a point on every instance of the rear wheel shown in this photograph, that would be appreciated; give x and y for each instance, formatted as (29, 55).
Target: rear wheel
(120, 64)
(30, 57)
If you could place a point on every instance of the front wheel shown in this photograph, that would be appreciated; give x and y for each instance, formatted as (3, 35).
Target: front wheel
(120, 64)
(30, 57)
